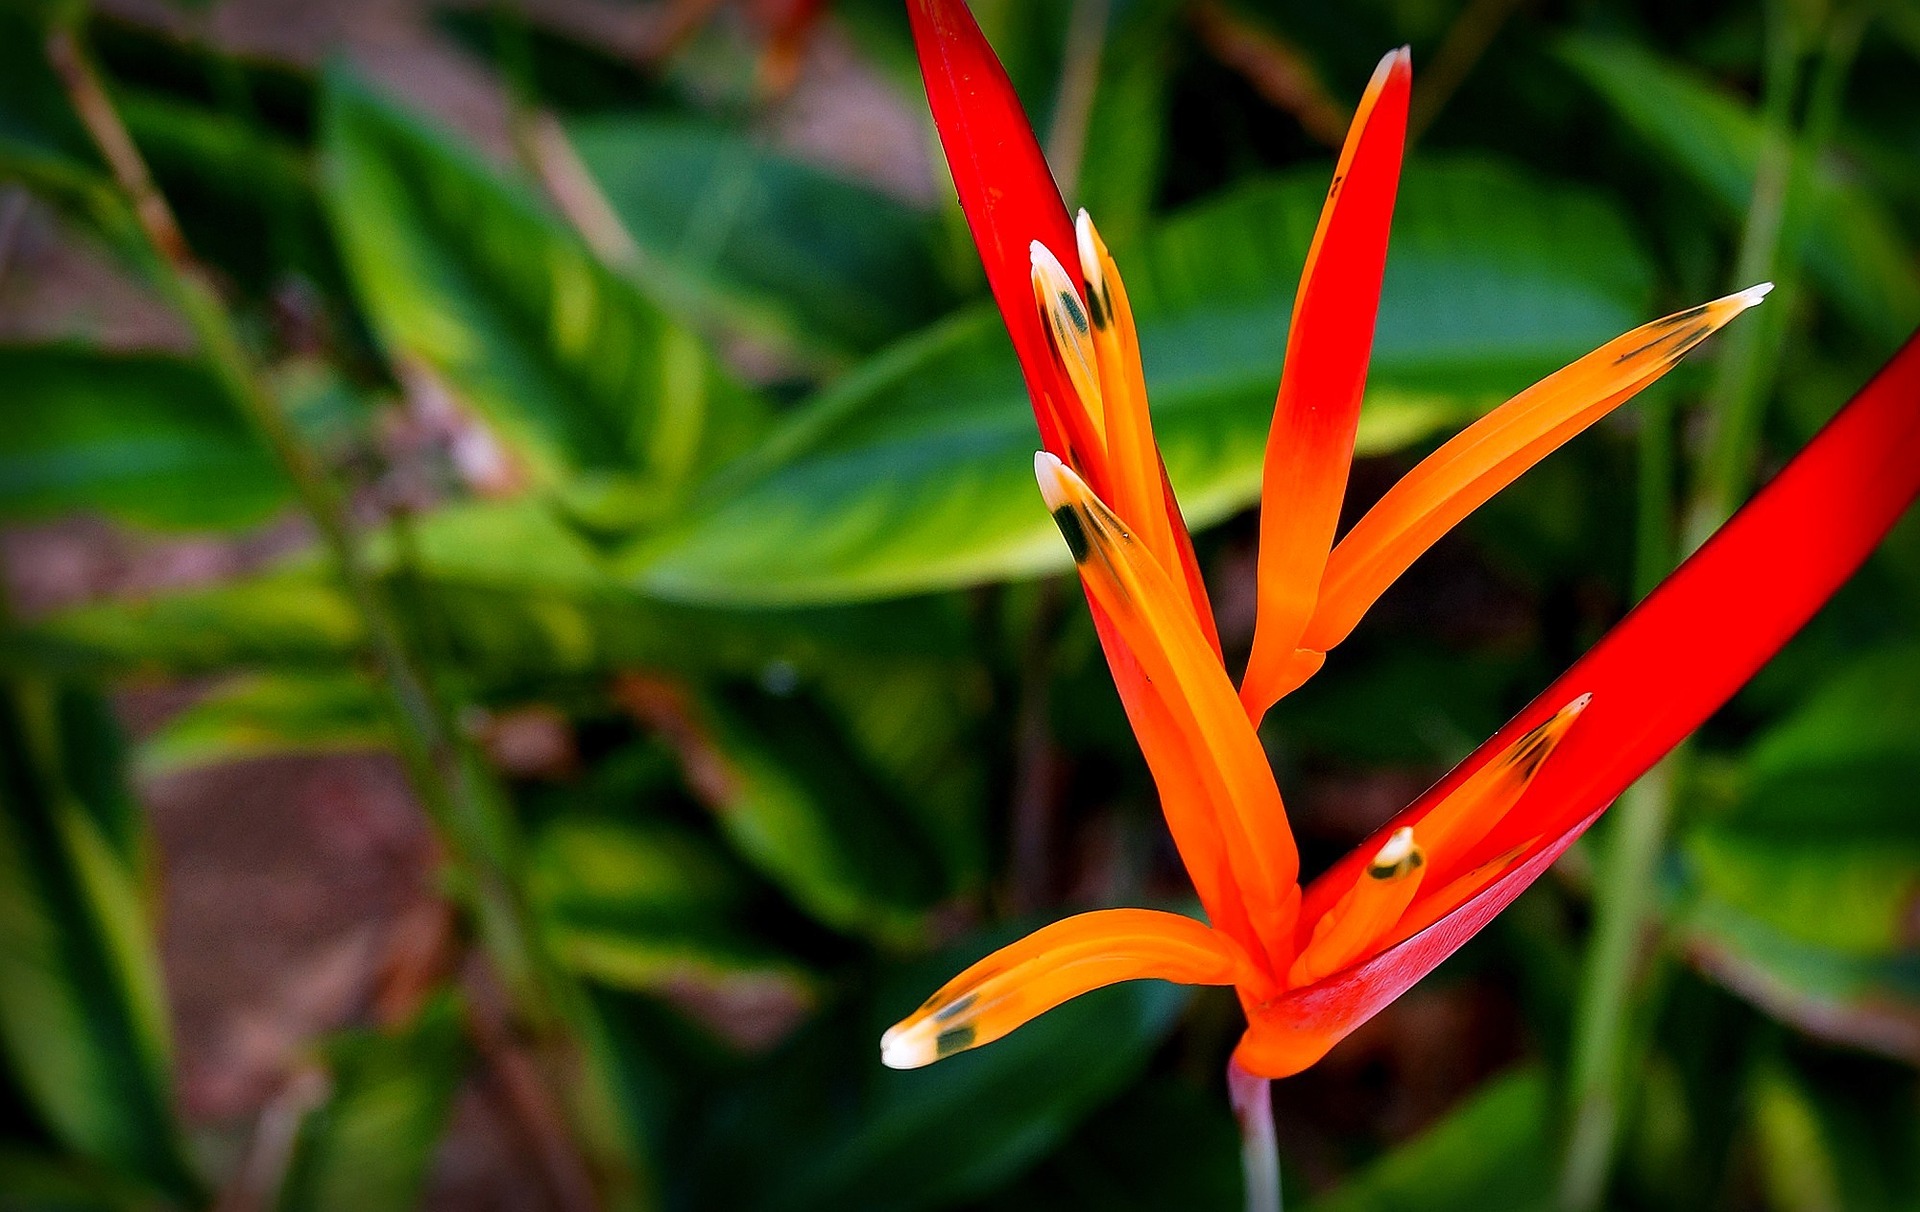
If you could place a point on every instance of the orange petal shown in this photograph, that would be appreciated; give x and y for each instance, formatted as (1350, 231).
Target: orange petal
(1451, 826)
(1133, 456)
(1453, 894)
(1287, 1033)
(1368, 910)
(1155, 622)
(1186, 795)
(1026, 979)
(1471, 810)
(1493, 452)
(1069, 336)
(1328, 343)
(1139, 491)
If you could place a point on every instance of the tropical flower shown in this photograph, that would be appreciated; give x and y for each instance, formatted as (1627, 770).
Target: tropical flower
(1310, 965)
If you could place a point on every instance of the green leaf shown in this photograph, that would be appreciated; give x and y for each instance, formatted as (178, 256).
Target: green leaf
(1798, 1165)
(915, 722)
(1801, 894)
(1409, 703)
(1163, 1144)
(288, 620)
(34, 115)
(246, 199)
(142, 437)
(1849, 242)
(579, 373)
(508, 593)
(93, 755)
(643, 904)
(1494, 1152)
(825, 1126)
(779, 249)
(1843, 765)
(368, 1146)
(1126, 131)
(1852, 898)
(260, 714)
(1868, 1001)
(798, 801)
(82, 1013)
(915, 472)
(31, 1181)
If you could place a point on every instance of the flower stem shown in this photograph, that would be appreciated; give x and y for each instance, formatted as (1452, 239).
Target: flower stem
(1259, 1150)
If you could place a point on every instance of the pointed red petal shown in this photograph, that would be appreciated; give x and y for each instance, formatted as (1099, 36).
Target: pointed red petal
(1009, 197)
(1654, 678)
(1328, 344)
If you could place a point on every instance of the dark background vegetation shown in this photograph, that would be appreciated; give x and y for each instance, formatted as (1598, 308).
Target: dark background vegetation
(702, 689)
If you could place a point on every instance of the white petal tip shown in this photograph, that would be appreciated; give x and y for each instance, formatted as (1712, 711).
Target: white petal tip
(1052, 476)
(1083, 238)
(1753, 294)
(1042, 259)
(1580, 704)
(1397, 847)
(897, 1051)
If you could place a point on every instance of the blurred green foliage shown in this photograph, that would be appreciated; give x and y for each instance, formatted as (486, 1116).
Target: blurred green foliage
(742, 500)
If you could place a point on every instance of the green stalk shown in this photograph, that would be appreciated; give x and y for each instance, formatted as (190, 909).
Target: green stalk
(424, 737)
(1625, 897)
(1625, 891)
(1073, 99)
(457, 792)
(1624, 904)
(1735, 406)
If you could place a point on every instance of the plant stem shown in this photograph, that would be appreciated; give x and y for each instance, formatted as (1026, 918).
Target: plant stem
(424, 734)
(1079, 82)
(1625, 900)
(1467, 39)
(1624, 909)
(1733, 405)
(445, 772)
(1259, 1150)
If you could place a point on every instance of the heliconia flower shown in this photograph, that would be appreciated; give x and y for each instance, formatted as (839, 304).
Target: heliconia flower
(1310, 965)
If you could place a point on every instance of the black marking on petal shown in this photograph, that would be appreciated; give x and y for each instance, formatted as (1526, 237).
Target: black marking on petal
(1692, 338)
(959, 1005)
(1074, 531)
(1531, 753)
(1631, 354)
(1400, 868)
(1532, 749)
(956, 1039)
(1098, 308)
(1075, 313)
(1681, 317)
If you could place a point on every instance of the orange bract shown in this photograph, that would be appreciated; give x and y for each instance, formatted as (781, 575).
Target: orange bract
(1308, 964)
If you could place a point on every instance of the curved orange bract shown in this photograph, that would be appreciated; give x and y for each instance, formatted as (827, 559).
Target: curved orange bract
(1311, 964)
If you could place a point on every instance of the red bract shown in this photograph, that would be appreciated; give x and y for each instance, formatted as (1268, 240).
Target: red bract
(1310, 965)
